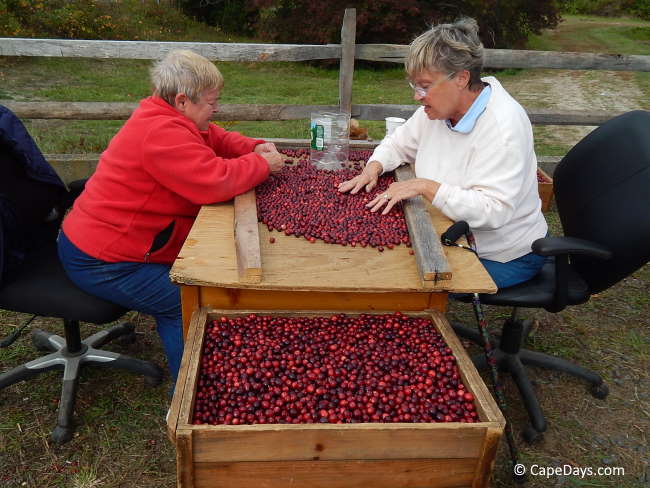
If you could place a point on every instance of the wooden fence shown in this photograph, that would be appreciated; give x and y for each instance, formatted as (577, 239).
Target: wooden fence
(347, 52)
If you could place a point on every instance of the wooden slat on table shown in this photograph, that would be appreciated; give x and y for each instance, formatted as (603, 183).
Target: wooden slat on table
(429, 255)
(247, 238)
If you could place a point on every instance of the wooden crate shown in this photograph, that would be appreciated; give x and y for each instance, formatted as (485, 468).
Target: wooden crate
(331, 455)
(545, 189)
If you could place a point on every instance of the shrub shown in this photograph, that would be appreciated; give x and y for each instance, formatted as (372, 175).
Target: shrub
(237, 16)
(638, 8)
(61, 19)
(10, 25)
(503, 23)
(94, 19)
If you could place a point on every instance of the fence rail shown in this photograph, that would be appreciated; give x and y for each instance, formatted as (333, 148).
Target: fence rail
(273, 112)
(347, 52)
(392, 53)
(72, 48)
(72, 167)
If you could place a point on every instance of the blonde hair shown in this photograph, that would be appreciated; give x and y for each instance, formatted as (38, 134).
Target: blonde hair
(449, 48)
(184, 71)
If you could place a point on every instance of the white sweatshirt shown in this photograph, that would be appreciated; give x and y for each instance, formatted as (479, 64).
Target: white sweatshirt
(488, 177)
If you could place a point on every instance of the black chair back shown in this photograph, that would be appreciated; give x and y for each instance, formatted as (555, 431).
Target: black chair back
(602, 191)
(26, 209)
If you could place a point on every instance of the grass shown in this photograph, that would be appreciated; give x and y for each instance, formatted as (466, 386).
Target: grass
(121, 435)
(91, 80)
(611, 337)
(110, 80)
(595, 34)
(121, 438)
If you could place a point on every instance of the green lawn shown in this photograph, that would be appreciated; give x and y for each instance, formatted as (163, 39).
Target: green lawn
(108, 80)
(86, 80)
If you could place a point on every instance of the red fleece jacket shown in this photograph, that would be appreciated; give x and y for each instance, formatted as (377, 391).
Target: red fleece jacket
(155, 174)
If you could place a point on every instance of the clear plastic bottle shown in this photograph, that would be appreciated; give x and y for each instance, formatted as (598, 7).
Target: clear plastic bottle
(330, 139)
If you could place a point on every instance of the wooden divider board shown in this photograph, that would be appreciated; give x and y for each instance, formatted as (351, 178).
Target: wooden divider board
(431, 259)
(247, 238)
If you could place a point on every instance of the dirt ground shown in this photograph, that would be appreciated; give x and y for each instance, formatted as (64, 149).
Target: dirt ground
(588, 91)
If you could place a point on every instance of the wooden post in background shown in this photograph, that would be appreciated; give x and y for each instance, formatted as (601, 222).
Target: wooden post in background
(348, 48)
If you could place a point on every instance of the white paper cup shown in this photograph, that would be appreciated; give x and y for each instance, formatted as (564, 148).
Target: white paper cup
(393, 123)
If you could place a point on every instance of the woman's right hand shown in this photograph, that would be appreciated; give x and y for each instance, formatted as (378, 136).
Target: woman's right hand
(274, 159)
(367, 178)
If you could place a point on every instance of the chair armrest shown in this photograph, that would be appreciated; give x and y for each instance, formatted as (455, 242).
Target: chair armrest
(75, 188)
(562, 248)
(555, 246)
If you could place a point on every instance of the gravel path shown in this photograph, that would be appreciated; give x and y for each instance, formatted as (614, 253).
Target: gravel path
(562, 90)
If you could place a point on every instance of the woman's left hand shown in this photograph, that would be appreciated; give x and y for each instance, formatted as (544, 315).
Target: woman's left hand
(401, 190)
(265, 147)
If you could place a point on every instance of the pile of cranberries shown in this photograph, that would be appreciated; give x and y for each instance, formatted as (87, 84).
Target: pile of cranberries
(259, 369)
(304, 201)
(356, 157)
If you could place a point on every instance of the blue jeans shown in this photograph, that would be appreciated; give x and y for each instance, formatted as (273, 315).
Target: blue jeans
(515, 271)
(144, 287)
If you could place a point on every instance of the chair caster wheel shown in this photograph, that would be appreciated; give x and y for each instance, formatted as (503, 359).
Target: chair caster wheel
(61, 435)
(532, 436)
(599, 391)
(40, 341)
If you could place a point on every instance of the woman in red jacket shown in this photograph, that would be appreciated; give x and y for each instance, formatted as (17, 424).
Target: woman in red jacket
(127, 227)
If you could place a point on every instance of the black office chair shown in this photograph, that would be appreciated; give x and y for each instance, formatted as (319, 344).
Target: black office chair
(602, 192)
(32, 201)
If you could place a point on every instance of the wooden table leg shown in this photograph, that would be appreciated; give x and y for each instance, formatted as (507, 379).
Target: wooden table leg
(438, 301)
(189, 303)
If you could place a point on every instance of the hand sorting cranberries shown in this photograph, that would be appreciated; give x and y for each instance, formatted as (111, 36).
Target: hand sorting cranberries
(259, 369)
(305, 202)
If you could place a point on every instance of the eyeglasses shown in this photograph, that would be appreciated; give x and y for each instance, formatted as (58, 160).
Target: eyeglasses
(422, 92)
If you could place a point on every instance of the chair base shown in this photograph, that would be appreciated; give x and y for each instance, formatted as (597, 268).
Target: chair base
(72, 362)
(511, 357)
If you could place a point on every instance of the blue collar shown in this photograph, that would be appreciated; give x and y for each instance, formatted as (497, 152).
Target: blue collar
(468, 121)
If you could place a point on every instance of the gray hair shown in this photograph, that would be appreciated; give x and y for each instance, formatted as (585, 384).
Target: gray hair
(449, 48)
(184, 71)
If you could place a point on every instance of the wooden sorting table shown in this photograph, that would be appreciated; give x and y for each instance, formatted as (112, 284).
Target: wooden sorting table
(299, 275)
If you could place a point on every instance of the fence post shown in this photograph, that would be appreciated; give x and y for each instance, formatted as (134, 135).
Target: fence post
(346, 69)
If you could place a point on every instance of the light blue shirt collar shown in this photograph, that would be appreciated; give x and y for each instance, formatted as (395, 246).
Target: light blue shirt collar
(468, 121)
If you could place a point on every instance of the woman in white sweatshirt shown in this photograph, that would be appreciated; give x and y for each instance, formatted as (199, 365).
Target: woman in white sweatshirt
(472, 147)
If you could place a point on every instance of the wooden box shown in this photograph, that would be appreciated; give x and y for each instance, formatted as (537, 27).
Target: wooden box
(331, 455)
(545, 186)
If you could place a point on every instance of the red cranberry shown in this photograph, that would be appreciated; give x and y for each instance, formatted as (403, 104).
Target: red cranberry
(304, 201)
(337, 369)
